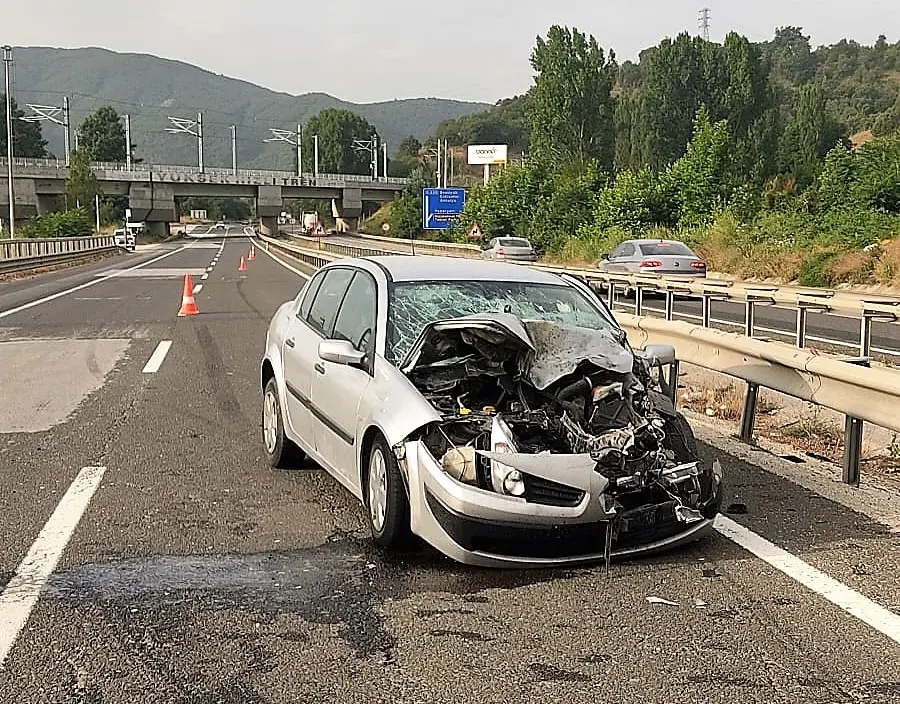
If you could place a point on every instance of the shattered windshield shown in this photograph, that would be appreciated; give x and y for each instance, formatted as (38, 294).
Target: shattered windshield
(415, 304)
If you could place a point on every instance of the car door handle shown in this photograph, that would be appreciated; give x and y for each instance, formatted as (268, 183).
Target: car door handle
(289, 342)
(319, 367)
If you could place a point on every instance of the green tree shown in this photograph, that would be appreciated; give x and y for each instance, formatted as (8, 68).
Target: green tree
(570, 110)
(699, 181)
(81, 184)
(808, 136)
(27, 138)
(410, 147)
(102, 135)
(337, 130)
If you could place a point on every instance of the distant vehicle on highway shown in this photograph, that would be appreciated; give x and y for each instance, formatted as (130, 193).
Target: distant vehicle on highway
(221, 225)
(124, 239)
(653, 257)
(511, 249)
(495, 411)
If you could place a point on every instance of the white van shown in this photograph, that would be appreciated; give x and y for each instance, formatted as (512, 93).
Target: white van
(124, 239)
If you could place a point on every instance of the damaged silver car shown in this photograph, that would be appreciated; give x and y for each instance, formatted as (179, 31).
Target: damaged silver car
(495, 411)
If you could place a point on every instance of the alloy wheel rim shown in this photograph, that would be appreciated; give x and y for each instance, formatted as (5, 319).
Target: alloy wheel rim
(378, 489)
(270, 422)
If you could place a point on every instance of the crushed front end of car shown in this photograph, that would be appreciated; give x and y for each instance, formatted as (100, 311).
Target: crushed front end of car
(556, 446)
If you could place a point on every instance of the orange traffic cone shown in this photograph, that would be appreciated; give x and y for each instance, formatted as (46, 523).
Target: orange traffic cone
(252, 255)
(188, 304)
(243, 266)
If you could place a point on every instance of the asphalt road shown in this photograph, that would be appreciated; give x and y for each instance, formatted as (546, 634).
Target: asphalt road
(198, 574)
(833, 332)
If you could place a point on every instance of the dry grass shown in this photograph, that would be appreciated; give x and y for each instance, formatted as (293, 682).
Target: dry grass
(851, 268)
(725, 401)
(887, 263)
(861, 138)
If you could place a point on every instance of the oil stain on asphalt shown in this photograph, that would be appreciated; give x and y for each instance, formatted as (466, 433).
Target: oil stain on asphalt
(336, 584)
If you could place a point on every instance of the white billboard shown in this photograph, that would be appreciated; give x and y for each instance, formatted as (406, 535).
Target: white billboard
(487, 154)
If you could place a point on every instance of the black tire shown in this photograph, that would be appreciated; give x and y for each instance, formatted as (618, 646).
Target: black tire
(282, 453)
(394, 531)
(680, 439)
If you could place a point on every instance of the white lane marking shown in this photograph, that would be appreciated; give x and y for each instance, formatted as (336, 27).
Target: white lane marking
(157, 358)
(851, 601)
(204, 277)
(23, 590)
(198, 288)
(286, 265)
(66, 292)
(208, 269)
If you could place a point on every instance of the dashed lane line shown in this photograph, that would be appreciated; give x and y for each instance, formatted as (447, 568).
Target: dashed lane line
(158, 357)
(23, 590)
(66, 292)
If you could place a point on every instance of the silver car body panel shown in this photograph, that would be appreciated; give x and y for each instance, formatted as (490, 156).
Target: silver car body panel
(425, 473)
(390, 403)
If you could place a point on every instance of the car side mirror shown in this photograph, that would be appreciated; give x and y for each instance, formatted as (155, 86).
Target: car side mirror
(340, 352)
(605, 256)
(659, 355)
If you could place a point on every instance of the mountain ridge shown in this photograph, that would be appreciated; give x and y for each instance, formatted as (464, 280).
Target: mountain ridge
(152, 88)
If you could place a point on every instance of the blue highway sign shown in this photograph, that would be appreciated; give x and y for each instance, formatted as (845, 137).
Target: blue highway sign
(440, 206)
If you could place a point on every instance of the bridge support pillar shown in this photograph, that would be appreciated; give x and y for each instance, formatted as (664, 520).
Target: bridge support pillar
(269, 204)
(351, 203)
(152, 203)
(26, 199)
(158, 228)
(268, 225)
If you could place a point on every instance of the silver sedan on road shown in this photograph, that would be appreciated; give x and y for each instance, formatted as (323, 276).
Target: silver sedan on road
(510, 249)
(495, 411)
(667, 257)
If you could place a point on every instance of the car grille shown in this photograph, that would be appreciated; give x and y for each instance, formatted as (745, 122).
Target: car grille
(543, 491)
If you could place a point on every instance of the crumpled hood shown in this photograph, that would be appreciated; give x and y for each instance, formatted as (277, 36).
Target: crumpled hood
(547, 351)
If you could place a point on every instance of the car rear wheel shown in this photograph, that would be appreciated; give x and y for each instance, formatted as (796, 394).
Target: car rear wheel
(280, 451)
(387, 505)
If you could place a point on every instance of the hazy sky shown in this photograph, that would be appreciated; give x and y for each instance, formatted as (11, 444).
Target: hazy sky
(369, 50)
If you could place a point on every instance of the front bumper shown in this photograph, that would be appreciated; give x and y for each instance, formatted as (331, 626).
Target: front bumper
(478, 527)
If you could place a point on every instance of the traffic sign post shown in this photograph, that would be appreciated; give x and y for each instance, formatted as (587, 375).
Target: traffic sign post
(441, 206)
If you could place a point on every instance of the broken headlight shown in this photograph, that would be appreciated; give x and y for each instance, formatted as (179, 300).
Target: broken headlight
(504, 479)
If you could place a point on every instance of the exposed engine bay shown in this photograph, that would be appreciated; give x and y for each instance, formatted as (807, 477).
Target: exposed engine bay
(532, 408)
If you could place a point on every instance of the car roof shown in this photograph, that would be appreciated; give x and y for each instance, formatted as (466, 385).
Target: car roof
(433, 268)
(653, 240)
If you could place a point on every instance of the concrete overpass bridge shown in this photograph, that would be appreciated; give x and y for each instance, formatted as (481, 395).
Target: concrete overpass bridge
(152, 189)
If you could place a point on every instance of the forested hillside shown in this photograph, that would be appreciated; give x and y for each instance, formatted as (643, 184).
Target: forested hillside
(773, 159)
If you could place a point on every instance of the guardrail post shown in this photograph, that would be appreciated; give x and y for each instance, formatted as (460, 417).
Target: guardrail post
(865, 335)
(853, 437)
(638, 299)
(705, 308)
(670, 304)
(801, 326)
(611, 294)
(749, 317)
(748, 413)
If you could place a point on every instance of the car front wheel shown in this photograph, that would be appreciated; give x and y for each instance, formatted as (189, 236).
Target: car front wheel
(280, 451)
(387, 505)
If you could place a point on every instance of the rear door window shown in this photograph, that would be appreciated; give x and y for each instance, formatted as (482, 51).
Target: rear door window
(324, 308)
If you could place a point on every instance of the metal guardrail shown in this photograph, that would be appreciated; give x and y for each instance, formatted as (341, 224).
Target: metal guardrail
(25, 254)
(868, 309)
(309, 178)
(849, 386)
